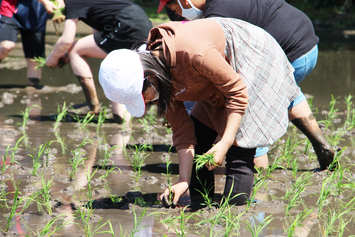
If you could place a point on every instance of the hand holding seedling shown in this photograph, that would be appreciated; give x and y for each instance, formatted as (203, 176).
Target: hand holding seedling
(219, 152)
(171, 195)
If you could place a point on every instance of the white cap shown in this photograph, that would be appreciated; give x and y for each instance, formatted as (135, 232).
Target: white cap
(121, 77)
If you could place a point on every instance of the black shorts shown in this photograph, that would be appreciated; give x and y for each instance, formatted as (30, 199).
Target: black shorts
(33, 42)
(129, 26)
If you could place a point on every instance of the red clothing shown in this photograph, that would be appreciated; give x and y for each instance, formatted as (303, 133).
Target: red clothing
(8, 7)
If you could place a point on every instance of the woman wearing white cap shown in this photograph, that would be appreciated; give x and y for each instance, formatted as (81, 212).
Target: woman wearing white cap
(241, 80)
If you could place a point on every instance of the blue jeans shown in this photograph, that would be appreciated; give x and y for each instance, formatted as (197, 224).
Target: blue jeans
(303, 67)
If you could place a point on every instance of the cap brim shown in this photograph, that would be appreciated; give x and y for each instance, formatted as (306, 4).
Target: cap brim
(137, 107)
(161, 6)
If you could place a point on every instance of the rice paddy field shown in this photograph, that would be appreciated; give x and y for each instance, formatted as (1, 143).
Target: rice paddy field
(69, 174)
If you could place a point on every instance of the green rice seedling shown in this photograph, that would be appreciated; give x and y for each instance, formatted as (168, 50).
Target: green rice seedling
(60, 140)
(259, 182)
(201, 160)
(275, 165)
(51, 227)
(289, 149)
(101, 119)
(26, 115)
(14, 150)
(89, 192)
(15, 205)
(334, 216)
(5, 166)
(348, 103)
(297, 185)
(329, 118)
(256, 230)
(168, 174)
(294, 168)
(89, 228)
(44, 196)
(205, 194)
(296, 224)
(313, 109)
(137, 222)
(76, 161)
(86, 120)
(138, 156)
(108, 152)
(145, 125)
(325, 191)
(62, 112)
(35, 159)
(294, 200)
(41, 62)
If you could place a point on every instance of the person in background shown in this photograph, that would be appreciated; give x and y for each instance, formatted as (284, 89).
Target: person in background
(243, 85)
(30, 18)
(294, 31)
(116, 24)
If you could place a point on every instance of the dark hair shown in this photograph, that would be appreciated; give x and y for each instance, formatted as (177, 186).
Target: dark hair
(152, 65)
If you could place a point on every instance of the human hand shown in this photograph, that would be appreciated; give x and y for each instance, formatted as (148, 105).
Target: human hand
(49, 6)
(171, 195)
(63, 60)
(219, 151)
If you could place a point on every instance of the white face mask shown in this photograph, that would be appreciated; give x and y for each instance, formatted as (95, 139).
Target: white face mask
(192, 13)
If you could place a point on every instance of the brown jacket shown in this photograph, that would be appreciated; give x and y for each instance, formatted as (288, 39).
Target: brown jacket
(195, 53)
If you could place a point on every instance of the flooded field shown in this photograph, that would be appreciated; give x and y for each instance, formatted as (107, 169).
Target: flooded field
(72, 176)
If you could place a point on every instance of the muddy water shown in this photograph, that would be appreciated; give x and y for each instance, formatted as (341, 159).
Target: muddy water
(122, 195)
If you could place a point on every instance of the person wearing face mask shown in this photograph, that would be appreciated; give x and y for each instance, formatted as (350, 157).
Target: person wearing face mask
(294, 31)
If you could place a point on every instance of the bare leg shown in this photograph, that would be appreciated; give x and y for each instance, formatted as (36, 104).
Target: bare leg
(120, 113)
(261, 161)
(5, 48)
(301, 116)
(33, 75)
(82, 49)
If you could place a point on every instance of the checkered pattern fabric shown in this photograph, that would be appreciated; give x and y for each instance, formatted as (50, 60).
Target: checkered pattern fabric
(264, 67)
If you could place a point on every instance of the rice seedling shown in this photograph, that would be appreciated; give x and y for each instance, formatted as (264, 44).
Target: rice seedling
(90, 229)
(294, 168)
(4, 165)
(89, 192)
(168, 174)
(297, 224)
(62, 112)
(138, 156)
(332, 114)
(41, 62)
(14, 150)
(259, 182)
(298, 184)
(77, 159)
(289, 150)
(257, 229)
(325, 191)
(61, 141)
(205, 193)
(145, 125)
(201, 160)
(15, 205)
(137, 221)
(108, 152)
(35, 159)
(50, 228)
(349, 109)
(26, 115)
(177, 223)
(85, 121)
(101, 119)
(44, 196)
(329, 228)
(294, 200)
(275, 165)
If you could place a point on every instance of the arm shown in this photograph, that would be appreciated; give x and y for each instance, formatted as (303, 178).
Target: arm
(186, 157)
(64, 42)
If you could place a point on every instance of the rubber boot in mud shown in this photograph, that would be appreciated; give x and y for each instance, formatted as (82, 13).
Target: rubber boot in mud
(87, 83)
(33, 81)
(309, 127)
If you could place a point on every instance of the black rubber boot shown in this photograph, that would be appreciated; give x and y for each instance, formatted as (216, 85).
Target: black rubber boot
(33, 81)
(325, 153)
